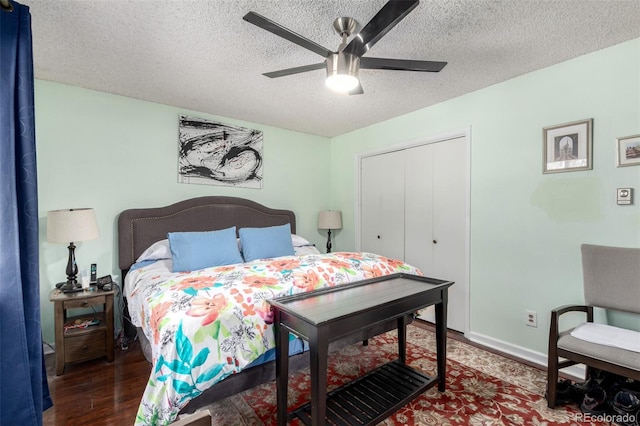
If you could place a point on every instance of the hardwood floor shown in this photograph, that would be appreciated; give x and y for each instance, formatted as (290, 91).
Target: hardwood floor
(99, 393)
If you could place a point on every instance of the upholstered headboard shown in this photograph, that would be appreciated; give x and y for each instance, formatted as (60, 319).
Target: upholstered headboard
(139, 228)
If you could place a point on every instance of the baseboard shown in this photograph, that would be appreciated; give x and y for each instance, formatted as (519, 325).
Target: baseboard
(575, 372)
(47, 349)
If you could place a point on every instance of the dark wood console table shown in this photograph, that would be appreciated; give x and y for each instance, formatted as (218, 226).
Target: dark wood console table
(324, 315)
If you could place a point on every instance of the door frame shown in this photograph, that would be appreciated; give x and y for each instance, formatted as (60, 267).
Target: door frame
(420, 141)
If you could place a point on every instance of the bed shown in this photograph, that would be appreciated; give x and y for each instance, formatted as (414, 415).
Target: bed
(207, 331)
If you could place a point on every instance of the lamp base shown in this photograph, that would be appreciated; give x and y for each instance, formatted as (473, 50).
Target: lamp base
(68, 287)
(329, 242)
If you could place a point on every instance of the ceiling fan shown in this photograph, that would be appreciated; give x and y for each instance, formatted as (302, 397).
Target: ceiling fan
(343, 66)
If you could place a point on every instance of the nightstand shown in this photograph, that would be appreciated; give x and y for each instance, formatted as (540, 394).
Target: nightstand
(76, 344)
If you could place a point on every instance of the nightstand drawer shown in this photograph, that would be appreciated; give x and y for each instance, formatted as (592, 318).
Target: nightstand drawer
(85, 346)
(84, 303)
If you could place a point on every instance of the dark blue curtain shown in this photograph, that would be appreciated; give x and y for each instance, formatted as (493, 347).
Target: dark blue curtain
(24, 392)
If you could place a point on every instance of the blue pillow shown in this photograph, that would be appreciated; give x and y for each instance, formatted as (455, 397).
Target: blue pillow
(198, 250)
(263, 243)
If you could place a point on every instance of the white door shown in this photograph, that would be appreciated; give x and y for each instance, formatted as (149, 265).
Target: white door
(449, 231)
(418, 216)
(382, 205)
(432, 207)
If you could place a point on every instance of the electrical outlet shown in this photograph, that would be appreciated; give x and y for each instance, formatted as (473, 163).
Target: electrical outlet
(531, 318)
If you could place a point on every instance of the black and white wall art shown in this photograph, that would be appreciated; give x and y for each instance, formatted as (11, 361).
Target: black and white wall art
(219, 154)
(568, 147)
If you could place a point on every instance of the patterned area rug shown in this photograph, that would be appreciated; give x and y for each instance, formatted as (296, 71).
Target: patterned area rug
(482, 388)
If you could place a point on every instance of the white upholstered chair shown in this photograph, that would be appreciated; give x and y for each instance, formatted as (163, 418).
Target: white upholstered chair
(611, 278)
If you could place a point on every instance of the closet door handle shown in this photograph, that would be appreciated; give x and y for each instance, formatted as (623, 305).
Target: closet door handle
(378, 236)
(435, 241)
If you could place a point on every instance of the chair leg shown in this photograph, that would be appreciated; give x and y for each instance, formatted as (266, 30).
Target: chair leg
(552, 383)
(552, 361)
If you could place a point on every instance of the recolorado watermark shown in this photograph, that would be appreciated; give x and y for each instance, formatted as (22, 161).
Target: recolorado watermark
(627, 418)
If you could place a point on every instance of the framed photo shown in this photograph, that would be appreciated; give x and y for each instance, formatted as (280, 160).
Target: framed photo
(568, 147)
(629, 151)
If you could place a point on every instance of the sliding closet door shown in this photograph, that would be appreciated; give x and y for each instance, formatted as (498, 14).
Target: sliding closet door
(382, 204)
(418, 214)
(449, 225)
(414, 208)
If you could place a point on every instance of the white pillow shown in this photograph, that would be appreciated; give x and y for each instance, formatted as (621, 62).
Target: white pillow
(298, 241)
(157, 251)
(301, 246)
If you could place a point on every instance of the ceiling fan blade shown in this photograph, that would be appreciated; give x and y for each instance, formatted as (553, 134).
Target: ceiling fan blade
(357, 91)
(295, 70)
(283, 32)
(386, 18)
(400, 64)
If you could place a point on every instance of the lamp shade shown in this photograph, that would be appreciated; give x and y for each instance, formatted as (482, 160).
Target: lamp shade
(69, 225)
(330, 219)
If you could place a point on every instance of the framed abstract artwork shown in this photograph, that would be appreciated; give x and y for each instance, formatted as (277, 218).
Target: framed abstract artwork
(568, 147)
(213, 153)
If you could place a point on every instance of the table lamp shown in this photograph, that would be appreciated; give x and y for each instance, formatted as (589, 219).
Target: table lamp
(329, 219)
(69, 226)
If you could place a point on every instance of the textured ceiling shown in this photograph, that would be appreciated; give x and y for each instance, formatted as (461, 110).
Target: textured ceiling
(201, 55)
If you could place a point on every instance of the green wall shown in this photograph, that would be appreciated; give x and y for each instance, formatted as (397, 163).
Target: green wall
(526, 227)
(113, 153)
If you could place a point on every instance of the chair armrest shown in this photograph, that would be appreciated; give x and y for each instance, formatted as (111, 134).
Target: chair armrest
(570, 308)
(554, 332)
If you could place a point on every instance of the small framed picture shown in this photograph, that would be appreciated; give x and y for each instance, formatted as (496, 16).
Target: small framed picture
(629, 151)
(567, 147)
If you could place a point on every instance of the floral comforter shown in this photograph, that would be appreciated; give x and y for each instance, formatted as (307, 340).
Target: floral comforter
(205, 325)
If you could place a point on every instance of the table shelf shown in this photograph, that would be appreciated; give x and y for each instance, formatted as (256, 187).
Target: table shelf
(102, 325)
(372, 397)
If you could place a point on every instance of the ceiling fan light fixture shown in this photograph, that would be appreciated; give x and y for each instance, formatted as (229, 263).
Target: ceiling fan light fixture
(342, 72)
(342, 83)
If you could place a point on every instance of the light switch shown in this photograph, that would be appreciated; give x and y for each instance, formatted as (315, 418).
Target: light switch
(625, 196)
